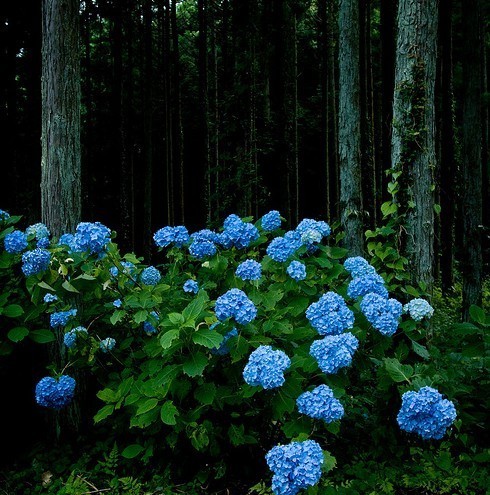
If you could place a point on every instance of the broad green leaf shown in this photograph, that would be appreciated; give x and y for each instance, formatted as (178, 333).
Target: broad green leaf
(168, 337)
(175, 318)
(329, 461)
(195, 365)
(206, 393)
(207, 338)
(44, 285)
(17, 334)
(103, 413)
(42, 336)
(397, 371)
(236, 433)
(131, 451)
(117, 316)
(477, 314)
(194, 309)
(107, 395)
(146, 406)
(13, 310)
(141, 316)
(68, 287)
(168, 413)
(420, 350)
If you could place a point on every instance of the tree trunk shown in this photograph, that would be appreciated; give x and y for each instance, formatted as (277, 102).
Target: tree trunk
(413, 140)
(472, 156)
(349, 127)
(60, 87)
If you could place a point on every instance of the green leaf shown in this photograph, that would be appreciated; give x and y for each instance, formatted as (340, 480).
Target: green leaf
(146, 406)
(141, 316)
(207, 338)
(281, 404)
(195, 365)
(17, 334)
(437, 208)
(175, 318)
(206, 393)
(397, 371)
(477, 314)
(329, 461)
(194, 309)
(117, 316)
(236, 434)
(68, 287)
(420, 350)
(44, 285)
(131, 451)
(13, 310)
(168, 337)
(107, 395)
(103, 413)
(42, 336)
(168, 413)
(337, 253)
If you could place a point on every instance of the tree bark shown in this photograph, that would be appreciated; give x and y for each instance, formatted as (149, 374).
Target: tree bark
(60, 88)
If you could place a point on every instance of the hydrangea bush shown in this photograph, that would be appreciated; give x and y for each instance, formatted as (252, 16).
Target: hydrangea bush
(278, 331)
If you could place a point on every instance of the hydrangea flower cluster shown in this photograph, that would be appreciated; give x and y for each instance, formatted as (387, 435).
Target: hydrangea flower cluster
(224, 347)
(366, 283)
(419, 309)
(426, 413)
(266, 367)
(191, 286)
(308, 225)
(296, 270)
(150, 276)
(202, 249)
(320, 403)
(15, 242)
(35, 261)
(334, 351)
(330, 315)
(382, 313)
(296, 466)
(70, 338)
(235, 304)
(49, 298)
(107, 344)
(282, 248)
(91, 237)
(41, 233)
(237, 233)
(61, 318)
(249, 270)
(117, 303)
(171, 235)
(357, 266)
(55, 394)
(271, 221)
(4, 215)
(128, 269)
(148, 327)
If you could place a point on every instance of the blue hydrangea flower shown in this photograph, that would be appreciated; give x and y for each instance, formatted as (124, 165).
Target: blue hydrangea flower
(107, 345)
(296, 466)
(382, 313)
(224, 347)
(249, 270)
(43, 243)
(128, 269)
(15, 242)
(150, 276)
(231, 220)
(266, 367)
(148, 327)
(235, 304)
(280, 249)
(49, 298)
(205, 235)
(237, 233)
(68, 240)
(4, 215)
(35, 261)
(370, 282)
(357, 266)
(38, 231)
(202, 249)
(191, 286)
(334, 351)
(91, 237)
(320, 403)
(296, 270)
(330, 315)
(70, 338)
(61, 318)
(171, 235)
(426, 413)
(271, 221)
(313, 231)
(55, 394)
(117, 303)
(419, 309)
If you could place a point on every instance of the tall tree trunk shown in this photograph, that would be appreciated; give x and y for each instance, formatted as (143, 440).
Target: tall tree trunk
(472, 156)
(350, 126)
(413, 141)
(60, 160)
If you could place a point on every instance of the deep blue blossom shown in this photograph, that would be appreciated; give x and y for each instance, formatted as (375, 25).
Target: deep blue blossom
(148, 326)
(231, 220)
(202, 249)
(426, 413)
(237, 233)
(308, 224)
(68, 240)
(44, 242)
(4, 215)
(61, 318)
(357, 266)
(205, 235)
(419, 309)
(382, 313)
(150, 276)
(224, 347)
(370, 282)
(107, 344)
(38, 231)
(320, 403)
(128, 269)
(334, 351)
(35, 261)
(49, 298)
(266, 367)
(249, 270)
(70, 338)
(91, 237)
(117, 303)
(296, 466)
(171, 235)
(191, 286)
(55, 394)
(15, 242)
(280, 249)
(296, 270)
(235, 304)
(330, 315)
(271, 221)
